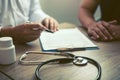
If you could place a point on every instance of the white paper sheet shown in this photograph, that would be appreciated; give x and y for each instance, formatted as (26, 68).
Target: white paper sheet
(65, 38)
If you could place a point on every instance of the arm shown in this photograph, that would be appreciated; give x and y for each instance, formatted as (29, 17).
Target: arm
(22, 33)
(37, 15)
(96, 30)
(86, 11)
(35, 12)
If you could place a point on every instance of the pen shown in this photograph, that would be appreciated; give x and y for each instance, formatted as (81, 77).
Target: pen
(44, 28)
(39, 28)
(69, 49)
(49, 31)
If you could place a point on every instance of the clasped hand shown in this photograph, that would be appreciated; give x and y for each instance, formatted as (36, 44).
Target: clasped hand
(104, 31)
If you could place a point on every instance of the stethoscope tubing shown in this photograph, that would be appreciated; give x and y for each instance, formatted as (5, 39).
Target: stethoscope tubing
(68, 60)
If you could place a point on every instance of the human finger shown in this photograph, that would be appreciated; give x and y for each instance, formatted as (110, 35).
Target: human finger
(93, 38)
(113, 22)
(35, 32)
(93, 34)
(105, 31)
(46, 23)
(41, 26)
(56, 26)
(37, 26)
(108, 24)
(51, 25)
(31, 26)
(100, 32)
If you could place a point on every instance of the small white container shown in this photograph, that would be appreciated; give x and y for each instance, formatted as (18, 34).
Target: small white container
(7, 51)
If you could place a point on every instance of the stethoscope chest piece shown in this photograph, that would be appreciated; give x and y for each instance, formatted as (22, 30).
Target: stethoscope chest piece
(80, 61)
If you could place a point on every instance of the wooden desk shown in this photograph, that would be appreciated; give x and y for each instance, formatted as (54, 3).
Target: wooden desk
(108, 56)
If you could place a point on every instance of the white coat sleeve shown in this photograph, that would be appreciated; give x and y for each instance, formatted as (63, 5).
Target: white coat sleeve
(36, 13)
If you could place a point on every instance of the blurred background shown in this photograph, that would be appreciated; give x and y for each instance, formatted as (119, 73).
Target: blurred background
(63, 10)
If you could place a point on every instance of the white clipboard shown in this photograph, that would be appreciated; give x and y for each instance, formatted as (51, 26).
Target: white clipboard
(65, 39)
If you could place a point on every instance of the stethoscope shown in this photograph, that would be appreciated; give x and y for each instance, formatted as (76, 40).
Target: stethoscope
(76, 60)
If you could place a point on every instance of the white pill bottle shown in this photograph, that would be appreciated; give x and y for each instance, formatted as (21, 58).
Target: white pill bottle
(7, 51)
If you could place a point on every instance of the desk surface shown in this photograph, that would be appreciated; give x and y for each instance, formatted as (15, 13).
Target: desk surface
(108, 56)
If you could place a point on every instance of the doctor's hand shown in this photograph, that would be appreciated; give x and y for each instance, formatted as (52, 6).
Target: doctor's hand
(51, 24)
(99, 31)
(23, 33)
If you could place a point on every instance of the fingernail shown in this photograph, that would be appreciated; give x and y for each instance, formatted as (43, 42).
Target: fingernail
(111, 38)
(97, 36)
(113, 33)
(35, 29)
(106, 38)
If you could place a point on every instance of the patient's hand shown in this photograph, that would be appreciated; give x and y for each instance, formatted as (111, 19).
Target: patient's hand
(98, 31)
(115, 31)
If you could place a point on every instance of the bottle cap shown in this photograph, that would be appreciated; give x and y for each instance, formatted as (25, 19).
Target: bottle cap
(5, 42)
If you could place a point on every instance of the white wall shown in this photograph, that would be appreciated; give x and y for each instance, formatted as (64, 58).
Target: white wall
(62, 10)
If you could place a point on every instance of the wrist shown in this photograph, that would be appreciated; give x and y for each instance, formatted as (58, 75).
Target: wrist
(87, 23)
(90, 24)
(6, 31)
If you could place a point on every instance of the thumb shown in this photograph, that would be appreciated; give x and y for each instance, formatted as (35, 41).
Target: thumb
(113, 22)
